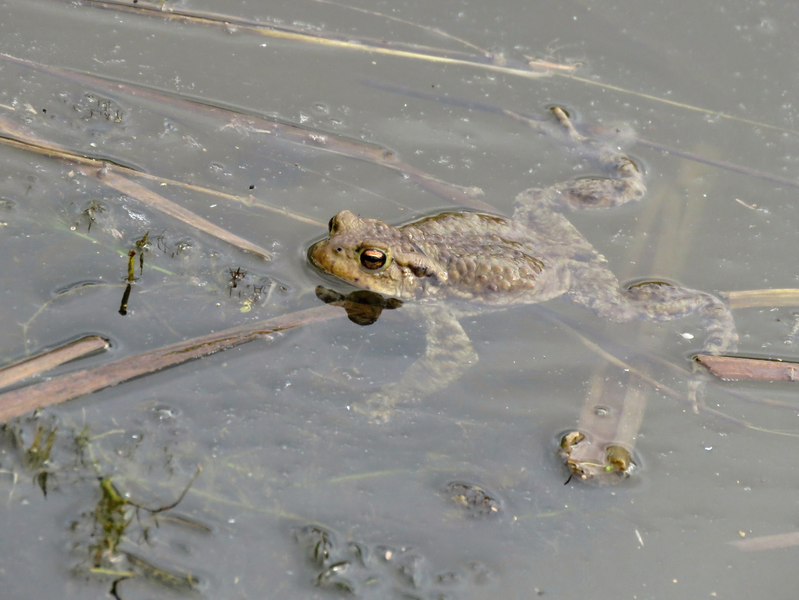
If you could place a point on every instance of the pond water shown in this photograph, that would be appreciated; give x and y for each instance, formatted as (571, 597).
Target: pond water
(299, 495)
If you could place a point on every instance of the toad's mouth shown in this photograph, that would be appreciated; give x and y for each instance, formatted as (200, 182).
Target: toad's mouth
(319, 256)
(313, 252)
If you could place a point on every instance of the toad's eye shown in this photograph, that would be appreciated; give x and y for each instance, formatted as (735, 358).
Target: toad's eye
(330, 224)
(373, 259)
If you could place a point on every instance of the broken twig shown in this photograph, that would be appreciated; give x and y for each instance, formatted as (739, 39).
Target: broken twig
(736, 368)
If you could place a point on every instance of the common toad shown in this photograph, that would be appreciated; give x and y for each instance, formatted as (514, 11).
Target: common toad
(494, 261)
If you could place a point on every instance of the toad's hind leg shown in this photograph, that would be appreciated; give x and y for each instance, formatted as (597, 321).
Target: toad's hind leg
(655, 302)
(624, 184)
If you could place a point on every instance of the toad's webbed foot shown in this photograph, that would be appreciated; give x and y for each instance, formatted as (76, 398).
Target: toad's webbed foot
(589, 460)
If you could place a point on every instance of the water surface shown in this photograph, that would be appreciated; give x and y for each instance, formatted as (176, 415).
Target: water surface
(271, 422)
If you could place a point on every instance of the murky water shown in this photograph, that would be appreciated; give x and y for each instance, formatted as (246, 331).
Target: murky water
(299, 496)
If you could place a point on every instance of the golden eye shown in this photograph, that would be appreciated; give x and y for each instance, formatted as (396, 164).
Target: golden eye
(330, 224)
(373, 259)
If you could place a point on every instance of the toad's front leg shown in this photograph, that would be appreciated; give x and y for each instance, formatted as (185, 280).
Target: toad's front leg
(448, 354)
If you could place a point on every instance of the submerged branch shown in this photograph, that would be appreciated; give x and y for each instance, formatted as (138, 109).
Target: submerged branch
(50, 359)
(72, 385)
(108, 173)
(264, 126)
(157, 201)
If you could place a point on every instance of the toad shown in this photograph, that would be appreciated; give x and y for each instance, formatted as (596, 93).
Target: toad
(461, 263)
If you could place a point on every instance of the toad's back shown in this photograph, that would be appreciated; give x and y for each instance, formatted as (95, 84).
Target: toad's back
(487, 259)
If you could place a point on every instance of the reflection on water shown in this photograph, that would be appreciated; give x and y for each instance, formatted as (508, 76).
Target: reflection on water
(362, 306)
